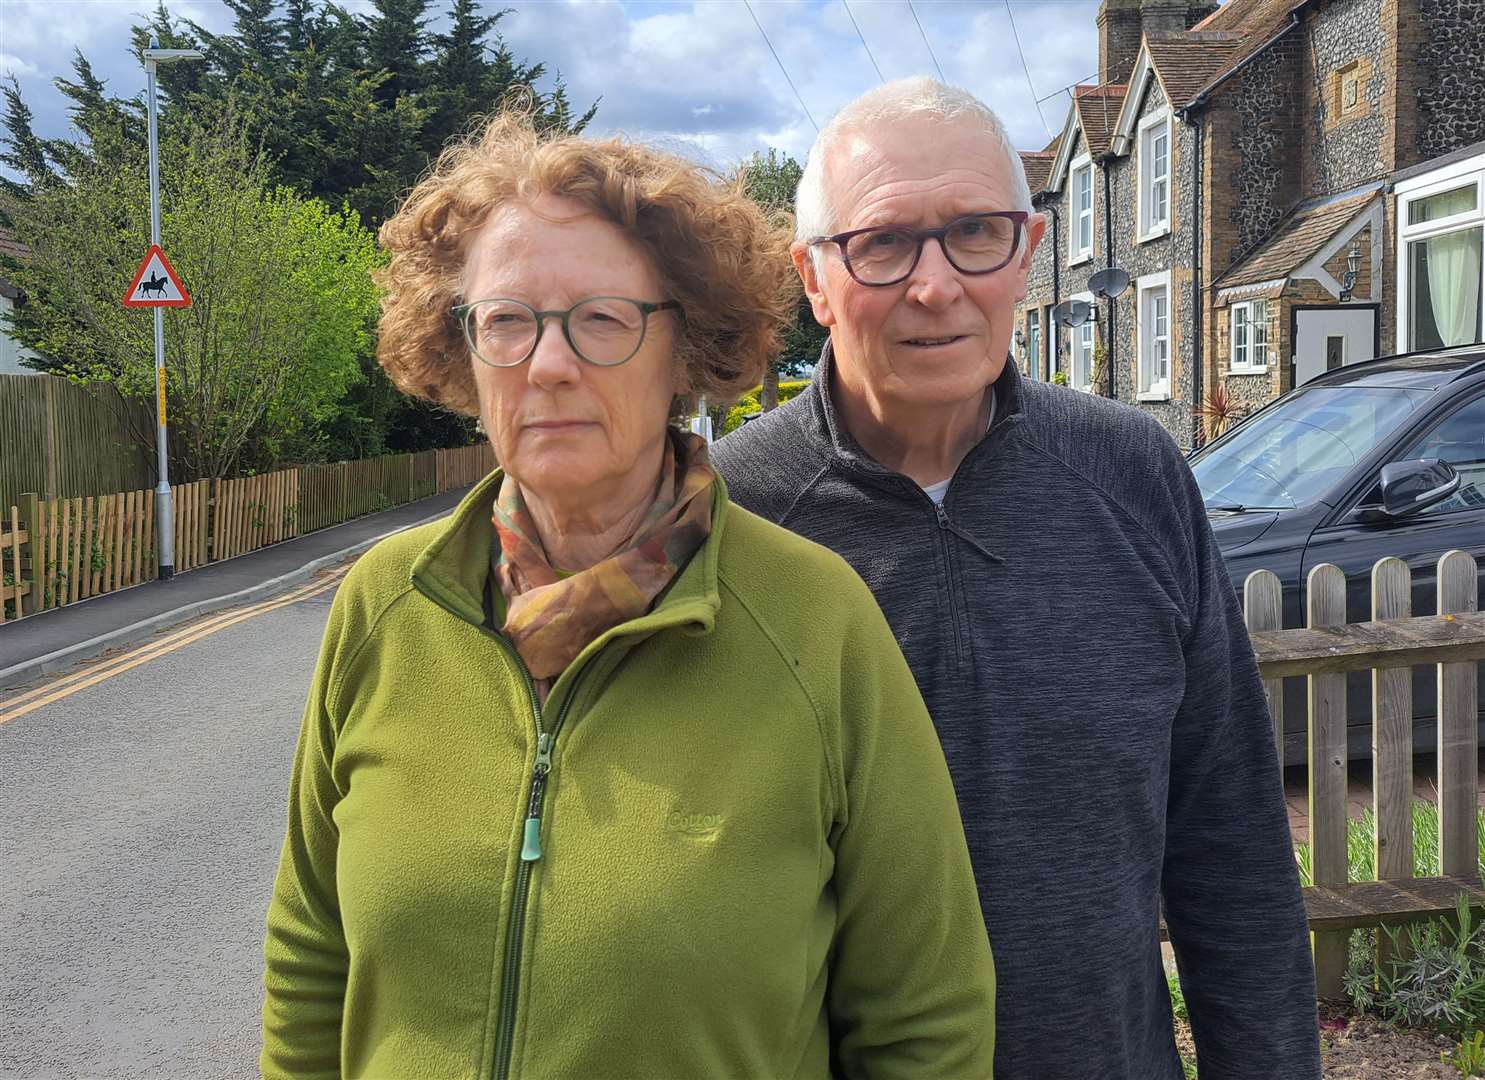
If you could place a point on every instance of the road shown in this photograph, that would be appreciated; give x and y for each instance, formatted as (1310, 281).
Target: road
(140, 821)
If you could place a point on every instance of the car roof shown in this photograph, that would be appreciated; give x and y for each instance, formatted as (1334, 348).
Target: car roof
(1421, 370)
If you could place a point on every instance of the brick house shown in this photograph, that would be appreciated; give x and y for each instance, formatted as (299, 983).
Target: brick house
(1289, 184)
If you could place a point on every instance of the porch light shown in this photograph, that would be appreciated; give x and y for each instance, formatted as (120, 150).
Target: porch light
(1348, 279)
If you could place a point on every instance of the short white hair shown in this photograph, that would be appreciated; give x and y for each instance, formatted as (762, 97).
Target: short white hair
(917, 98)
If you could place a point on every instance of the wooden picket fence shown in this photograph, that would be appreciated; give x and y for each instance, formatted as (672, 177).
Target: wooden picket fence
(1389, 645)
(59, 551)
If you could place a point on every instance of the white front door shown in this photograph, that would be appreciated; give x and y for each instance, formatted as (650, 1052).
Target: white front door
(1328, 338)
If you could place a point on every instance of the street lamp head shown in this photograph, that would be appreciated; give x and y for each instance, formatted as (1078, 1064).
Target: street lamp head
(171, 56)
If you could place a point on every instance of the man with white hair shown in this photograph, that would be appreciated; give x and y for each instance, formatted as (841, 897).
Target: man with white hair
(1045, 561)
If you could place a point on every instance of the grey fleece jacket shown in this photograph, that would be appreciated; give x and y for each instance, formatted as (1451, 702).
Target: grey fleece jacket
(1073, 631)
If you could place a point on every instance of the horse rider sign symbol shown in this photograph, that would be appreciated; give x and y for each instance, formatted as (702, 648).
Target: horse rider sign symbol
(156, 284)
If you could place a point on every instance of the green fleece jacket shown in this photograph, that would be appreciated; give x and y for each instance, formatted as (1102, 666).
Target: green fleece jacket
(727, 846)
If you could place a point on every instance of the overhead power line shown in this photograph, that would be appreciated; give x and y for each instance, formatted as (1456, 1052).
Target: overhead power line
(782, 69)
(924, 36)
(1035, 100)
(864, 45)
(1064, 89)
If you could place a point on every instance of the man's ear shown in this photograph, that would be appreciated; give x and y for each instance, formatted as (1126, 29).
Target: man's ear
(808, 274)
(1036, 226)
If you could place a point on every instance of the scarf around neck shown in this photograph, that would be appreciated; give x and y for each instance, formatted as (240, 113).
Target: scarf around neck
(550, 617)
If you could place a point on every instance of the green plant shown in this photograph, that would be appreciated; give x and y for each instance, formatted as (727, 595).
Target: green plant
(95, 558)
(751, 403)
(1178, 1010)
(1435, 977)
(1468, 1056)
(1177, 998)
(380, 502)
(1059, 378)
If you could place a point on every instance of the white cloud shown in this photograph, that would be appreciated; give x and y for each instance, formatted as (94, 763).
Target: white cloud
(695, 75)
(14, 65)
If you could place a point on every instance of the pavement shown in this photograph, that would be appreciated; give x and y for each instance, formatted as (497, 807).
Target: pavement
(53, 640)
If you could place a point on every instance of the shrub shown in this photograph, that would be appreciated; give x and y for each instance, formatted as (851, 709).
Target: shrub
(751, 403)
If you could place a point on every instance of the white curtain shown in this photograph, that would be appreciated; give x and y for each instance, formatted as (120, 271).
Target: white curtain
(1454, 284)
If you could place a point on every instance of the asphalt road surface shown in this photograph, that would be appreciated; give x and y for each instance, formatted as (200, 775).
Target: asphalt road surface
(140, 824)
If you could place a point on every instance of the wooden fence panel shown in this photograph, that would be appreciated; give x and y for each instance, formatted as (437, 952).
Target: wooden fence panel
(65, 440)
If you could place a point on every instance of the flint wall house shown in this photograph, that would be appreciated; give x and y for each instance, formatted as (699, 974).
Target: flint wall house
(1238, 163)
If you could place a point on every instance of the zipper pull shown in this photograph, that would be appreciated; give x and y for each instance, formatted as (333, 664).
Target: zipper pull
(943, 515)
(531, 842)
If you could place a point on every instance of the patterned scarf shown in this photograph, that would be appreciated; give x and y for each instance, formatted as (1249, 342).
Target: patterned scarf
(550, 618)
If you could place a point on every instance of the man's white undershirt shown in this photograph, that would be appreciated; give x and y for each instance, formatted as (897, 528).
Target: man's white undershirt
(937, 491)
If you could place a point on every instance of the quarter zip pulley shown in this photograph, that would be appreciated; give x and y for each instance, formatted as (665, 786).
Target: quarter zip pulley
(531, 844)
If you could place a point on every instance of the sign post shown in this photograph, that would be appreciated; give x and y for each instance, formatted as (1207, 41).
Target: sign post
(168, 292)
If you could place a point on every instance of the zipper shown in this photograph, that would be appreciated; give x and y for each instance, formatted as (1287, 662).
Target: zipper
(944, 528)
(515, 932)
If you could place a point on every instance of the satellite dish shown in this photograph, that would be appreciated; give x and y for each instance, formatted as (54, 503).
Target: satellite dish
(1109, 283)
(1072, 312)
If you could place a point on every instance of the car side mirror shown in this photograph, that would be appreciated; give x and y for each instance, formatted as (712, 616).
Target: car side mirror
(1411, 486)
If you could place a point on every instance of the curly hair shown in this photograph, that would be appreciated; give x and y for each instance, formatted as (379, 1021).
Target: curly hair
(716, 252)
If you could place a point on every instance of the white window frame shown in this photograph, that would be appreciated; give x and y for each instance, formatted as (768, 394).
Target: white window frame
(1147, 290)
(1151, 227)
(1077, 366)
(1033, 343)
(1459, 174)
(1247, 365)
(1076, 254)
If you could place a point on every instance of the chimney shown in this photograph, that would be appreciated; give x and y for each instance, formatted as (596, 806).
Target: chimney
(1118, 39)
(1174, 16)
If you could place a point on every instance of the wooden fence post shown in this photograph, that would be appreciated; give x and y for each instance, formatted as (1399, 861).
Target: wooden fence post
(1458, 736)
(1326, 606)
(1263, 609)
(30, 507)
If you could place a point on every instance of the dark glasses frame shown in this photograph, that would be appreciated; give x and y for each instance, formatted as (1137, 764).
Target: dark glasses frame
(646, 309)
(1017, 218)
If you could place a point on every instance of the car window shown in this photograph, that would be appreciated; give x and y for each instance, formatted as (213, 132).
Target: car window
(1297, 451)
(1459, 439)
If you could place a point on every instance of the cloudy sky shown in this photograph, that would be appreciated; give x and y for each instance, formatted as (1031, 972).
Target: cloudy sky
(697, 75)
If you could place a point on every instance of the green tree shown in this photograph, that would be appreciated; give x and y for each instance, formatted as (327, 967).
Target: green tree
(771, 180)
(345, 106)
(283, 306)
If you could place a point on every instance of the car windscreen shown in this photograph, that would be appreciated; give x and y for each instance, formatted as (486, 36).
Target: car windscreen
(1298, 450)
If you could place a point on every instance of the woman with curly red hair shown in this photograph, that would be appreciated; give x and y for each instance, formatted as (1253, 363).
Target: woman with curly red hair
(603, 776)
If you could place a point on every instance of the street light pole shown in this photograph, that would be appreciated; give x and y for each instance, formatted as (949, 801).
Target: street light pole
(164, 510)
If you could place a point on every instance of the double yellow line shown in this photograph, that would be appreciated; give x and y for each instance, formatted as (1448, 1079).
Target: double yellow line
(54, 691)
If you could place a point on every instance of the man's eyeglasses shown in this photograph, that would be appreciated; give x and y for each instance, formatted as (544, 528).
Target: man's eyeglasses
(887, 254)
(603, 330)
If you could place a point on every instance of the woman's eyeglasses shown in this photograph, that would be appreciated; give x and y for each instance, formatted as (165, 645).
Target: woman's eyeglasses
(603, 330)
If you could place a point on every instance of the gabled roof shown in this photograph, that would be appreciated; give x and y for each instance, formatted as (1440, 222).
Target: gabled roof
(1089, 124)
(1185, 63)
(1038, 166)
(1257, 22)
(1296, 239)
(1098, 111)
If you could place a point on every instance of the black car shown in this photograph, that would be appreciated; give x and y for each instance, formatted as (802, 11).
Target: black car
(1385, 457)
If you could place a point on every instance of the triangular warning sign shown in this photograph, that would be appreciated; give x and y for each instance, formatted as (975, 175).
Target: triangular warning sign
(156, 284)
